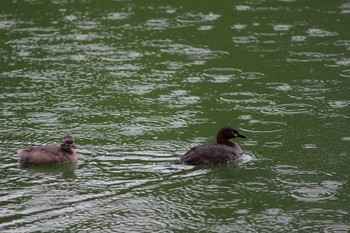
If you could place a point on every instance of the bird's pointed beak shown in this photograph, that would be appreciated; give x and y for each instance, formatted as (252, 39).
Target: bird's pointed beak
(241, 135)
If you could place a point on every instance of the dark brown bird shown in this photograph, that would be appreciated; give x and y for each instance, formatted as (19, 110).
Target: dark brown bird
(223, 152)
(51, 153)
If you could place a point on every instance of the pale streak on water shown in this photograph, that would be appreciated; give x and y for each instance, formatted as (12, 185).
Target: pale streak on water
(138, 90)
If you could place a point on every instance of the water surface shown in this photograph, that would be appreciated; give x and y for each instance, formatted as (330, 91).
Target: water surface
(139, 83)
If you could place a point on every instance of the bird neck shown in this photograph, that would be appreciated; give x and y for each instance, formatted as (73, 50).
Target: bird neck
(66, 147)
(221, 140)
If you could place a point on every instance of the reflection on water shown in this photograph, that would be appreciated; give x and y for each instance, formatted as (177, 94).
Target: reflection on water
(66, 170)
(139, 84)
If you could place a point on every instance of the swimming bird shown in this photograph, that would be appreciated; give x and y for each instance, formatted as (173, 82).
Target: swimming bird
(223, 151)
(51, 153)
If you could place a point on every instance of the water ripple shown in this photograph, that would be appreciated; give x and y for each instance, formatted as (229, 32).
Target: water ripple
(192, 52)
(7, 24)
(307, 186)
(282, 27)
(157, 24)
(288, 109)
(190, 18)
(251, 75)
(242, 97)
(262, 126)
(245, 40)
(117, 16)
(339, 103)
(309, 57)
(316, 32)
(221, 75)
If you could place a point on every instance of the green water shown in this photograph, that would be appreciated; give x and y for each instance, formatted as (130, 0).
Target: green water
(137, 83)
